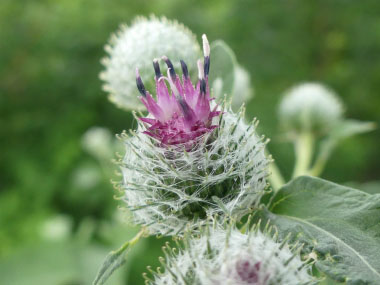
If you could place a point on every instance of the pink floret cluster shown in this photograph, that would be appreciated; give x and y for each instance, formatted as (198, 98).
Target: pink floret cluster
(182, 113)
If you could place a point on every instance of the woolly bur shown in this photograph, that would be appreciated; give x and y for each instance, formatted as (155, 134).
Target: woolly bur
(310, 107)
(135, 46)
(190, 158)
(225, 255)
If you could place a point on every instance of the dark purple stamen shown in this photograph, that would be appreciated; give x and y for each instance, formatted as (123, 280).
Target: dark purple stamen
(140, 86)
(207, 65)
(185, 108)
(181, 114)
(170, 66)
(185, 71)
(203, 86)
(157, 70)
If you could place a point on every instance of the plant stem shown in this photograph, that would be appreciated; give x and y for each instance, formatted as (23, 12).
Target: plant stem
(115, 259)
(323, 156)
(304, 144)
(276, 180)
(133, 241)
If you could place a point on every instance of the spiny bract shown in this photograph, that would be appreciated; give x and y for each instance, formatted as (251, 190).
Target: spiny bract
(136, 46)
(230, 257)
(168, 188)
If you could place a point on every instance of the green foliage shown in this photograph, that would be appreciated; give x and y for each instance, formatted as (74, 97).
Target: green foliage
(342, 130)
(339, 226)
(73, 264)
(372, 187)
(348, 128)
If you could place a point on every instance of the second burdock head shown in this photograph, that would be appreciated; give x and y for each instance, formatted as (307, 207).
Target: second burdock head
(135, 46)
(232, 257)
(310, 107)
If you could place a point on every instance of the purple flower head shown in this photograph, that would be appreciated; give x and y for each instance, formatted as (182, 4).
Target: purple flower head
(182, 113)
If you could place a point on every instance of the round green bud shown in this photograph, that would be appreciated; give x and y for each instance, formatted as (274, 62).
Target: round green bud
(136, 46)
(310, 107)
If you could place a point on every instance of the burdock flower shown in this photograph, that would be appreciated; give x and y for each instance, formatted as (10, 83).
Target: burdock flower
(229, 257)
(190, 158)
(184, 115)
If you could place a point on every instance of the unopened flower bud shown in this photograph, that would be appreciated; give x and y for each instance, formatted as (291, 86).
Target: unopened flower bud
(310, 107)
(136, 46)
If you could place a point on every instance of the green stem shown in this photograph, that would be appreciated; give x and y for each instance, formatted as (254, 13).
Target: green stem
(304, 152)
(134, 240)
(276, 180)
(115, 259)
(324, 154)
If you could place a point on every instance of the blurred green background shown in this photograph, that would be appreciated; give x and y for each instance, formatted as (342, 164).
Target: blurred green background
(58, 218)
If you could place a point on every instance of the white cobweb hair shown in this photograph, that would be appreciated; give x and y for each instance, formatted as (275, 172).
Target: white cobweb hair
(169, 188)
(227, 256)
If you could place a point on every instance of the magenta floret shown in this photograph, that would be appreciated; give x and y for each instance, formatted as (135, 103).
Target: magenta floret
(182, 113)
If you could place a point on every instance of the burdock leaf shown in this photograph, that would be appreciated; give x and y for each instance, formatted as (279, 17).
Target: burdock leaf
(114, 260)
(340, 225)
(348, 128)
(371, 187)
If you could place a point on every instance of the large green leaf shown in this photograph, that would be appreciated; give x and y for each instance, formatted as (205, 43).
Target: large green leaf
(372, 187)
(340, 224)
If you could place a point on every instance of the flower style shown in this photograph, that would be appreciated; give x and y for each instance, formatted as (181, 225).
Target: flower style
(227, 256)
(185, 114)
